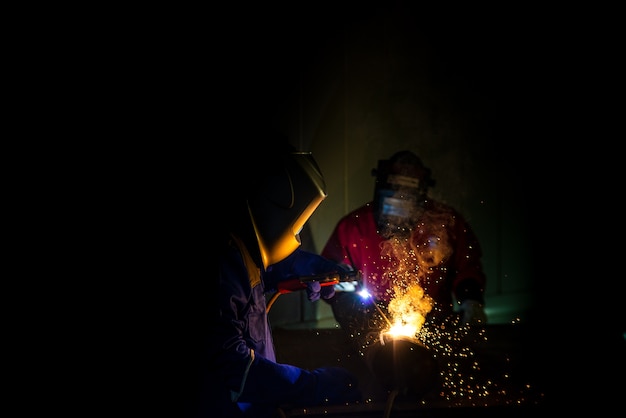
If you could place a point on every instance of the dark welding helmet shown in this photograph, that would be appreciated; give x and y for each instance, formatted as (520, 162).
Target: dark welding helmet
(400, 191)
(288, 192)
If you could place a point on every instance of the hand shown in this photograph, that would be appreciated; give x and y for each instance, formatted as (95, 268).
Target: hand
(335, 385)
(284, 384)
(473, 313)
(314, 290)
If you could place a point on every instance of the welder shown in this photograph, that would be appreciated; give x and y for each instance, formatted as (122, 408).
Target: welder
(267, 198)
(404, 238)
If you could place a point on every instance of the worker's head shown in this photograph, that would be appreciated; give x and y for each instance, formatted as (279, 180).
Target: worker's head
(287, 195)
(400, 192)
(269, 192)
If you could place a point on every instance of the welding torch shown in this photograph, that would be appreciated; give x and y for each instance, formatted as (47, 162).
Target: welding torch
(300, 283)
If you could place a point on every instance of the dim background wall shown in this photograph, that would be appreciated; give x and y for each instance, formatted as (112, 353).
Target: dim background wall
(517, 111)
(455, 89)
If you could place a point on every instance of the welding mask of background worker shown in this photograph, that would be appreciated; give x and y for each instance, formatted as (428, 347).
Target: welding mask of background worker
(288, 192)
(400, 191)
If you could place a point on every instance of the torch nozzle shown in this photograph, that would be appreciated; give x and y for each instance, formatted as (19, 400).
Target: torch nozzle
(382, 314)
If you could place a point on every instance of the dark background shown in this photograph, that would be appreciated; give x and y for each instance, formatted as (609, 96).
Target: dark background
(176, 92)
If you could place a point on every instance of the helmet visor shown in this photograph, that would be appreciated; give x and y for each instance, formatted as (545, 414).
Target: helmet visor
(287, 198)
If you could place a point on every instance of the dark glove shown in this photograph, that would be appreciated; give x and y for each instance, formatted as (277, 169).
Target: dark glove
(473, 312)
(314, 290)
(269, 382)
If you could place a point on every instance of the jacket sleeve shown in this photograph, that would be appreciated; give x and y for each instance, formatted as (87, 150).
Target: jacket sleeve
(335, 248)
(353, 239)
(469, 279)
(282, 384)
(300, 263)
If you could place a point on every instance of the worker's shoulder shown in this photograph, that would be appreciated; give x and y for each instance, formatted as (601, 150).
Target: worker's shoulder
(359, 212)
(356, 218)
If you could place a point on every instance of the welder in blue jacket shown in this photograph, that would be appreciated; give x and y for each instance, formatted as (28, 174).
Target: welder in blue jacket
(259, 247)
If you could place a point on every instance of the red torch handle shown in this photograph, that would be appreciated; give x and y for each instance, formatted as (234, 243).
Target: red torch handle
(329, 279)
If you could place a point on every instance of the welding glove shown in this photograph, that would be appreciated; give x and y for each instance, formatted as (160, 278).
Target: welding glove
(473, 312)
(314, 290)
(286, 384)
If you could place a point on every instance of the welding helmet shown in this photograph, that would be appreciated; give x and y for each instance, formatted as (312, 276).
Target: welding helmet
(285, 196)
(400, 191)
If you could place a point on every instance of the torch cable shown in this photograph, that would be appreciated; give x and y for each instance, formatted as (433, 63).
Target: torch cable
(271, 301)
